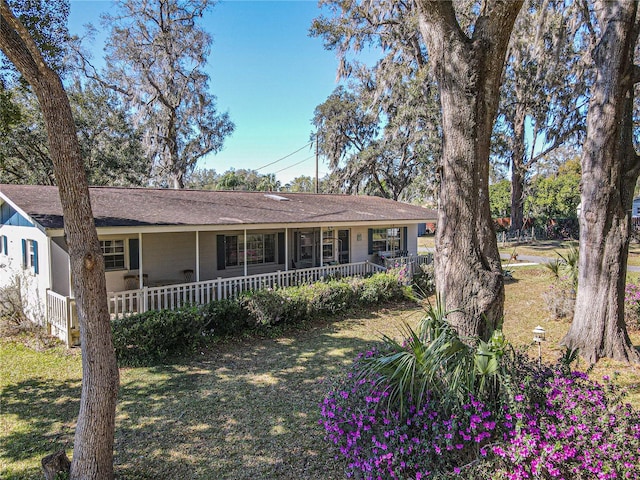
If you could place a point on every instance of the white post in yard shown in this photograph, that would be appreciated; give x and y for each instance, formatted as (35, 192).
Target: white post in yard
(68, 306)
(50, 261)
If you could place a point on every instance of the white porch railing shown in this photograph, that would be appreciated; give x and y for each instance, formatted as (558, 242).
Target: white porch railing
(61, 310)
(200, 293)
(62, 320)
(411, 262)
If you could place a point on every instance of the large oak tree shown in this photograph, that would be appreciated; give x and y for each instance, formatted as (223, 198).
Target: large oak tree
(543, 95)
(467, 64)
(155, 56)
(464, 48)
(110, 146)
(94, 436)
(610, 169)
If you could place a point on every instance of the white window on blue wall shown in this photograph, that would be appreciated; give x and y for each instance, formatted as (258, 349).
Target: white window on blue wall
(30, 255)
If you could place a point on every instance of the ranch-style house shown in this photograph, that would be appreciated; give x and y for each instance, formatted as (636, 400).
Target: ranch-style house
(164, 248)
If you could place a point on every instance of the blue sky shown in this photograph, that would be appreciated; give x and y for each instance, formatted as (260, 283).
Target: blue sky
(266, 72)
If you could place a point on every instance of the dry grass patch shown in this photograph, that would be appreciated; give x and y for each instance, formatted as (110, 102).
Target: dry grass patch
(525, 309)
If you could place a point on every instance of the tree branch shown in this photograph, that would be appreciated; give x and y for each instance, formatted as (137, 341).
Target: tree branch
(17, 44)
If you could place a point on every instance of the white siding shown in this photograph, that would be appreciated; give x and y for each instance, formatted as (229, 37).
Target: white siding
(208, 256)
(34, 285)
(60, 270)
(635, 212)
(165, 256)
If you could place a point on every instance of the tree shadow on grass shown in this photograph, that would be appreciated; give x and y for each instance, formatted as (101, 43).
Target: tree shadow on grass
(249, 409)
(244, 409)
(43, 413)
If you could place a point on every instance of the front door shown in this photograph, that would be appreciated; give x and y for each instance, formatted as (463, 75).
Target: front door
(343, 246)
(305, 244)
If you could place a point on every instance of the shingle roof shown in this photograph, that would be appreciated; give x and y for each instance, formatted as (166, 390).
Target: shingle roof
(117, 206)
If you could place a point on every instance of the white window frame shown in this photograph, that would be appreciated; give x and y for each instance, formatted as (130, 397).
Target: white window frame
(256, 245)
(328, 245)
(112, 250)
(389, 239)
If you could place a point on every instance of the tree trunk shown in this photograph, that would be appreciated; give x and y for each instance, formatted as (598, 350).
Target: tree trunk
(93, 444)
(176, 167)
(610, 169)
(518, 169)
(468, 72)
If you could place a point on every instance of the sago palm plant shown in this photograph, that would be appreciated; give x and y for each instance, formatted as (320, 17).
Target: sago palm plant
(435, 361)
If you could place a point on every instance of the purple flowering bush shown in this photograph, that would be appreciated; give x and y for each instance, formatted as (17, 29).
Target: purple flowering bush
(570, 427)
(632, 305)
(546, 423)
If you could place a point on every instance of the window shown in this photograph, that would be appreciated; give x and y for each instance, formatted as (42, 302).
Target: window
(30, 255)
(261, 248)
(3, 245)
(305, 246)
(113, 253)
(327, 245)
(385, 239)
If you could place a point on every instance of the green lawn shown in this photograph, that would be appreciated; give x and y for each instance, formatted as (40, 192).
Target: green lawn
(245, 409)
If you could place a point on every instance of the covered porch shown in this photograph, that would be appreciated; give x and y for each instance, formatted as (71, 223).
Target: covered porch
(169, 258)
(62, 317)
(159, 257)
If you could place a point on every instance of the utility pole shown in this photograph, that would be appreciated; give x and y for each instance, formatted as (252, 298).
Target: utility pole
(317, 181)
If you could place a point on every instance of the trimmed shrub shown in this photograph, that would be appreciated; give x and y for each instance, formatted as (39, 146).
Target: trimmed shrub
(295, 304)
(332, 297)
(225, 317)
(382, 287)
(157, 335)
(274, 306)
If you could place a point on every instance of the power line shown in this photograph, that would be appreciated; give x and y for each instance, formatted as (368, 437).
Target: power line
(295, 164)
(286, 156)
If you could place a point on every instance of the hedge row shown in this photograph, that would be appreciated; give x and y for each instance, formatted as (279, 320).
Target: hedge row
(158, 335)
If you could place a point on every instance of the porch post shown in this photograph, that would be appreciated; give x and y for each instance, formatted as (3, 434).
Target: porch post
(286, 249)
(197, 255)
(245, 252)
(50, 262)
(140, 277)
(71, 292)
(321, 248)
